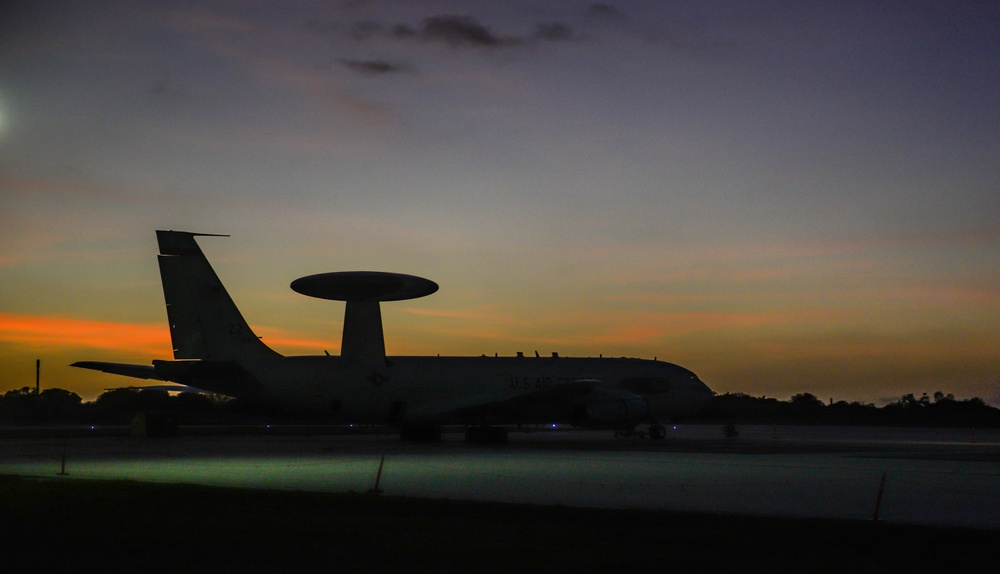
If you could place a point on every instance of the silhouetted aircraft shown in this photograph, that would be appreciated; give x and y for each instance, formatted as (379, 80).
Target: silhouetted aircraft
(217, 352)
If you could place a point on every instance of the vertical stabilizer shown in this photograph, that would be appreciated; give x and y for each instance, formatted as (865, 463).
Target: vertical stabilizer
(204, 321)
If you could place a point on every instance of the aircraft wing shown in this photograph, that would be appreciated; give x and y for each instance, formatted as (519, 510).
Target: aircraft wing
(581, 403)
(136, 371)
(222, 377)
(555, 401)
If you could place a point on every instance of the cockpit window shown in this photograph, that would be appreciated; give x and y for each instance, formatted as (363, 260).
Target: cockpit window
(692, 376)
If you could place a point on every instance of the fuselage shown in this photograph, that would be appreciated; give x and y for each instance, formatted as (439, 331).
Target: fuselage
(468, 390)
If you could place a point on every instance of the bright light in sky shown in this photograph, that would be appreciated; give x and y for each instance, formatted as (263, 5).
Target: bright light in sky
(781, 198)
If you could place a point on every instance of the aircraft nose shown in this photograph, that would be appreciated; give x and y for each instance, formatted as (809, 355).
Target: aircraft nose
(702, 394)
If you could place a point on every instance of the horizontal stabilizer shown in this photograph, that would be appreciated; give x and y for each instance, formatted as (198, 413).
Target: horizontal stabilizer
(222, 377)
(124, 369)
(168, 388)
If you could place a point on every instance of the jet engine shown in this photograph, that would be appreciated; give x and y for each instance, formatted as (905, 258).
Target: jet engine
(610, 408)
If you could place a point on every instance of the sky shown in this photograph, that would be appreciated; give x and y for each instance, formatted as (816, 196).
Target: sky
(783, 197)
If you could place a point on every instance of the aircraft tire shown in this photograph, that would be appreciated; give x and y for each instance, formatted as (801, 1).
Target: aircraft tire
(657, 432)
(420, 433)
(497, 435)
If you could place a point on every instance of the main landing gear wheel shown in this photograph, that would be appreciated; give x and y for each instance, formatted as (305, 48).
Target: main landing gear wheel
(420, 433)
(657, 432)
(486, 435)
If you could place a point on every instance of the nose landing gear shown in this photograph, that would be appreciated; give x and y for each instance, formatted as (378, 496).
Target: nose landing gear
(657, 432)
(486, 435)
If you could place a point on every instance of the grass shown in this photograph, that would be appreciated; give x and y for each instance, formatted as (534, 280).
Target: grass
(64, 524)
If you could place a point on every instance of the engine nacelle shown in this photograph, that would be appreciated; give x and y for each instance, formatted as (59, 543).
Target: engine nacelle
(610, 408)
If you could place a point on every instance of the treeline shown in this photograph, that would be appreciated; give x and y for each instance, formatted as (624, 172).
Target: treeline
(940, 409)
(118, 406)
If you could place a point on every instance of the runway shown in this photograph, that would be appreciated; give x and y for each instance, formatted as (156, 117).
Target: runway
(948, 477)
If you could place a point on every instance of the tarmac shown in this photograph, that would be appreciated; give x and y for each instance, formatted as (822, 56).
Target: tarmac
(943, 477)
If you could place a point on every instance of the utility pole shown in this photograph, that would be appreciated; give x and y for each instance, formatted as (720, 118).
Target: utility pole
(38, 372)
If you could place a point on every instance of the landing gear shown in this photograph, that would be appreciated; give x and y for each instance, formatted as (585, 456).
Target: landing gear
(420, 433)
(486, 435)
(657, 432)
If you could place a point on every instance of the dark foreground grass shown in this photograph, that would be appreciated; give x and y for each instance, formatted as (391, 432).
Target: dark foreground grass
(72, 525)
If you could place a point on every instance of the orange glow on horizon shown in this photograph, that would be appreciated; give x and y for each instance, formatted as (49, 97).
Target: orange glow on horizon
(40, 331)
(45, 332)
(282, 340)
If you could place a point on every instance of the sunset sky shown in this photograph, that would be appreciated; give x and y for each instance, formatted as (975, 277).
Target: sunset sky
(783, 197)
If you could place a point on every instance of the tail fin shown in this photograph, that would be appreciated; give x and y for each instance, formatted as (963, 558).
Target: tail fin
(204, 321)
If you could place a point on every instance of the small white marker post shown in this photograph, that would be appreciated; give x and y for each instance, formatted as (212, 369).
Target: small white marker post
(378, 478)
(878, 499)
(62, 467)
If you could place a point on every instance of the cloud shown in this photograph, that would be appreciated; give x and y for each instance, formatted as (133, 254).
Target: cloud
(452, 30)
(605, 12)
(554, 32)
(466, 31)
(455, 31)
(370, 67)
(293, 342)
